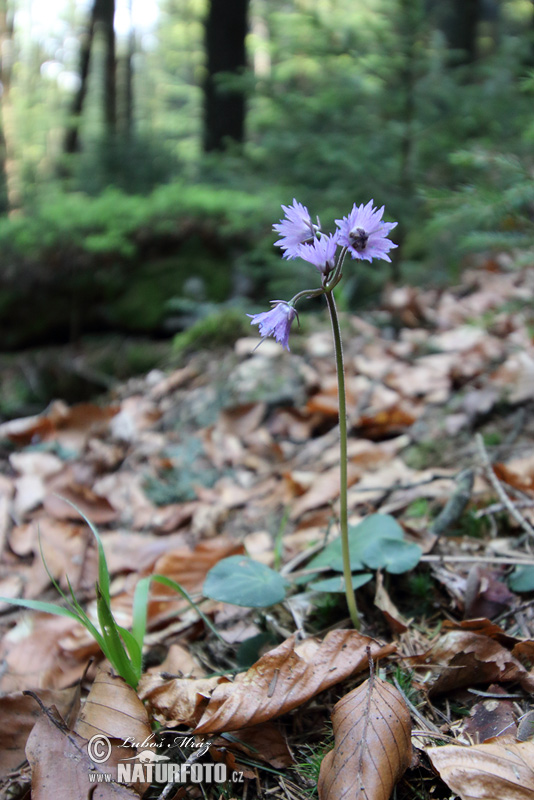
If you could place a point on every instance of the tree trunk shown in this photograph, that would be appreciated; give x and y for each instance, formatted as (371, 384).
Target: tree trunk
(102, 15)
(8, 135)
(460, 23)
(224, 109)
(106, 18)
(72, 135)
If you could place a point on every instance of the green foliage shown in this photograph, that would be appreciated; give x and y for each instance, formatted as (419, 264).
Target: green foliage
(337, 584)
(522, 579)
(122, 648)
(244, 582)
(344, 102)
(376, 542)
(418, 508)
(218, 329)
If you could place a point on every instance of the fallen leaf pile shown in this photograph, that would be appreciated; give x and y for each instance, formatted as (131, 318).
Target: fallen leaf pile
(239, 453)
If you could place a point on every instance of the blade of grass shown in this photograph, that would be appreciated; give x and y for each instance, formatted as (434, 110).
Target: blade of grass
(134, 651)
(177, 588)
(139, 610)
(113, 646)
(103, 572)
(40, 605)
(84, 619)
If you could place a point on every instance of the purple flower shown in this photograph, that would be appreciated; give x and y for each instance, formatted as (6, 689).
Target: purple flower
(322, 253)
(364, 233)
(295, 229)
(276, 322)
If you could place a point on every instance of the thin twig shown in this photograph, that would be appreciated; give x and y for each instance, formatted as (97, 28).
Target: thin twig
(490, 474)
(496, 508)
(425, 722)
(397, 487)
(519, 559)
(513, 611)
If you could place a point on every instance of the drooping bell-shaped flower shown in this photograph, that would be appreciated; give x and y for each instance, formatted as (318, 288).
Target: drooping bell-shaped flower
(322, 253)
(276, 322)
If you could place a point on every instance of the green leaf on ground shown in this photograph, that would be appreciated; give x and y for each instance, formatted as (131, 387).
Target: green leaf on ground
(393, 555)
(337, 583)
(244, 582)
(522, 579)
(373, 528)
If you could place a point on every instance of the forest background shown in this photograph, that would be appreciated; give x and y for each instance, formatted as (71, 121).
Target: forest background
(142, 166)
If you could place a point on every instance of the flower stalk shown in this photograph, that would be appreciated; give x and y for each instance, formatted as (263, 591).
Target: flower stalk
(364, 235)
(343, 461)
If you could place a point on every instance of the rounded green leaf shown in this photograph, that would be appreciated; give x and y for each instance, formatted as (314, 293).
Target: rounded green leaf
(337, 584)
(244, 582)
(393, 555)
(522, 579)
(374, 527)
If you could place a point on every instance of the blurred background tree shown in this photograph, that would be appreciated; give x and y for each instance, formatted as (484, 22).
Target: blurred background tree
(148, 142)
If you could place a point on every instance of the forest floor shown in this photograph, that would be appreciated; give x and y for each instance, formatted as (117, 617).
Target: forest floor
(237, 452)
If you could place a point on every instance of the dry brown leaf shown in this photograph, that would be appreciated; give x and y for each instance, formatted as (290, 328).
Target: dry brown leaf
(482, 626)
(71, 426)
(490, 717)
(190, 567)
(469, 659)
(372, 730)
(390, 611)
(285, 678)
(324, 489)
(98, 509)
(19, 714)
(114, 709)
(34, 656)
(60, 765)
(178, 701)
(36, 462)
(179, 662)
(63, 548)
(264, 742)
(498, 770)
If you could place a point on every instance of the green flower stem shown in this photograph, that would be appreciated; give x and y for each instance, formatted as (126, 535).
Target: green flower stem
(343, 510)
(308, 293)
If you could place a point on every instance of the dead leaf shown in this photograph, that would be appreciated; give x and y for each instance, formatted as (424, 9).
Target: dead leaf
(20, 713)
(34, 656)
(324, 489)
(285, 678)
(469, 659)
(114, 709)
(498, 770)
(372, 729)
(60, 765)
(390, 611)
(263, 742)
(179, 701)
(490, 717)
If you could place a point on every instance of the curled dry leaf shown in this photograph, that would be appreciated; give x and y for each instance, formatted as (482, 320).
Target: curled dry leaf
(502, 769)
(113, 708)
(372, 730)
(286, 677)
(179, 701)
(469, 659)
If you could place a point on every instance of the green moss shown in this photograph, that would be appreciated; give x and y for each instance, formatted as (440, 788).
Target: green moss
(423, 455)
(220, 328)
